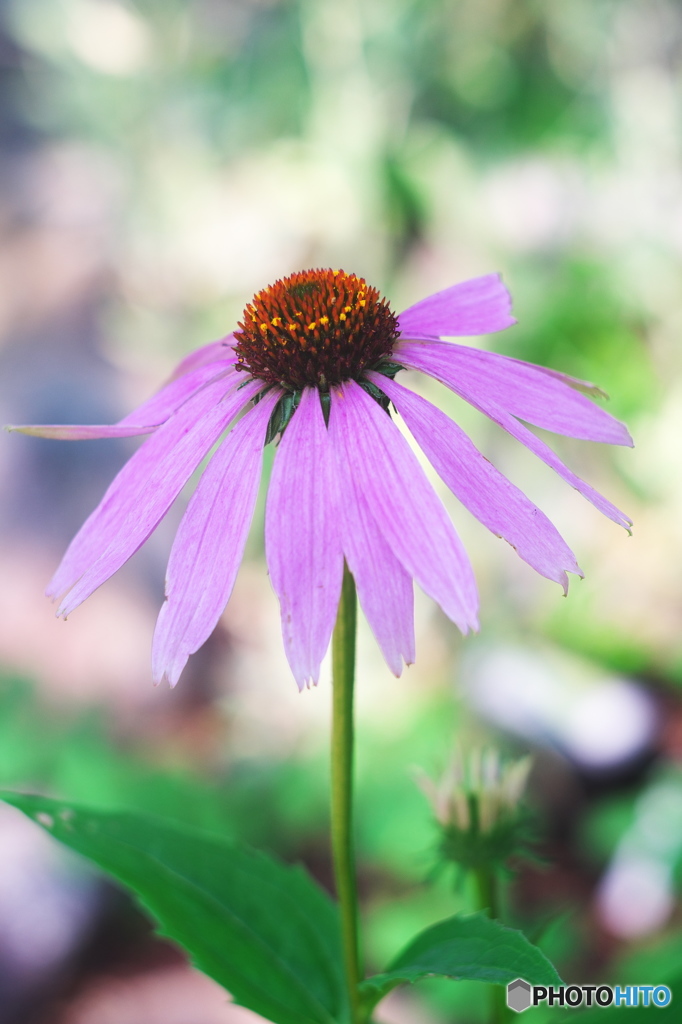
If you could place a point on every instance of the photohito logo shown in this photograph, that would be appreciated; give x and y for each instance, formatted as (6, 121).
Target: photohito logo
(521, 995)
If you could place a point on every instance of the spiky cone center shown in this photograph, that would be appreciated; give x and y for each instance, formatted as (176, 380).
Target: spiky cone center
(315, 328)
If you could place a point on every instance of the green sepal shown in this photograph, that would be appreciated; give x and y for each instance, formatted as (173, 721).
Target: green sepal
(326, 403)
(281, 415)
(388, 368)
(511, 836)
(290, 400)
(262, 929)
(464, 948)
(376, 393)
(261, 394)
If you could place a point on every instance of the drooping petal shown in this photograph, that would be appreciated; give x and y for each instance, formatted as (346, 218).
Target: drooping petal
(520, 388)
(493, 499)
(72, 432)
(302, 539)
(384, 587)
(406, 509)
(419, 359)
(209, 544)
(215, 351)
(141, 494)
(146, 417)
(586, 386)
(544, 452)
(168, 400)
(473, 307)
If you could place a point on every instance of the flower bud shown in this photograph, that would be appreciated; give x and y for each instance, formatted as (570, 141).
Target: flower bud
(477, 804)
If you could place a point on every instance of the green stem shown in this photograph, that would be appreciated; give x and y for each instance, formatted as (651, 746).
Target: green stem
(487, 898)
(343, 671)
(487, 891)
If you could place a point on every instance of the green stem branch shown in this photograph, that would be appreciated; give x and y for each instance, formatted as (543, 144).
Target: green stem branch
(488, 893)
(343, 670)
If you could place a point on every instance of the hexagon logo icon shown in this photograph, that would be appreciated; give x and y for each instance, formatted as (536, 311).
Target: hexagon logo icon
(518, 995)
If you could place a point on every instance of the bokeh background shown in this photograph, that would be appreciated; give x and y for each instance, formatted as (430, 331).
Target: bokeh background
(160, 161)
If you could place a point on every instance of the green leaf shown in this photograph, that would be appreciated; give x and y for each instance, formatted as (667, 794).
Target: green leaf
(262, 929)
(466, 948)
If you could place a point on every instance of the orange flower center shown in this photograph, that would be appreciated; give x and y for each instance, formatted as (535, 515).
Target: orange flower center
(315, 328)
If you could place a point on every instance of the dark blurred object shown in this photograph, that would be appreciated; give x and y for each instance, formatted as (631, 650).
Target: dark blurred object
(602, 723)
(48, 906)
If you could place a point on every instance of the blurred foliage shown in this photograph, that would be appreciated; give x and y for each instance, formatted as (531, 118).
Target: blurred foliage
(277, 805)
(162, 83)
(74, 757)
(217, 144)
(506, 77)
(577, 320)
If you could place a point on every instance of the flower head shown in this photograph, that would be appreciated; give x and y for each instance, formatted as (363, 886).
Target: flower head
(313, 363)
(315, 329)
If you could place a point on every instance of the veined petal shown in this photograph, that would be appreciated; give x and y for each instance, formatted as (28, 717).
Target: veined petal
(520, 388)
(585, 386)
(419, 359)
(209, 544)
(168, 400)
(384, 587)
(302, 539)
(141, 494)
(406, 509)
(479, 306)
(544, 452)
(214, 351)
(493, 499)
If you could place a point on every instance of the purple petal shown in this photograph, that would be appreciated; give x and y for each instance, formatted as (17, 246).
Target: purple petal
(70, 432)
(493, 499)
(420, 358)
(573, 382)
(168, 400)
(302, 539)
(400, 499)
(472, 307)
(144, 490)
(209, 544)
(215, 351)
(520, 388)
(384, 587)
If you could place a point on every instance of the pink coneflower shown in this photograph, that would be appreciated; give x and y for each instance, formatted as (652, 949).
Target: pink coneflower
(313, 362)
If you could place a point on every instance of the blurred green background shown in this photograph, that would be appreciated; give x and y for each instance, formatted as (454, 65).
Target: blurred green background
(160, 161)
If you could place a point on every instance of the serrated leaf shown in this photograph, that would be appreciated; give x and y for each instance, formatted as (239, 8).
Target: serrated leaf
(262, 929)
(465, 948)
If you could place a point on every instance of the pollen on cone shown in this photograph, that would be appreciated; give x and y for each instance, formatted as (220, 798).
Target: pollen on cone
(316, 328)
